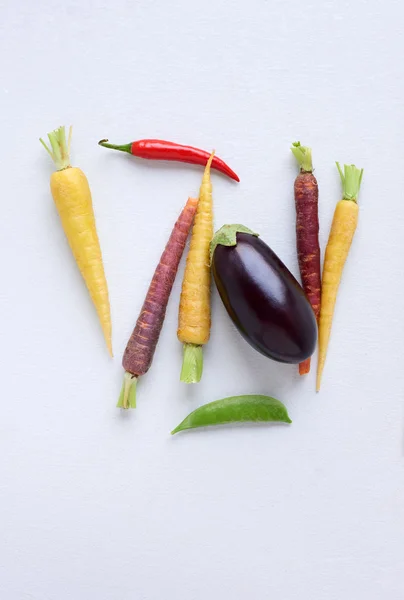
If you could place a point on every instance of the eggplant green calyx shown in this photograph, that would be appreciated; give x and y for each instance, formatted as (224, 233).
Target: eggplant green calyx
(227, 236)
(351, 178)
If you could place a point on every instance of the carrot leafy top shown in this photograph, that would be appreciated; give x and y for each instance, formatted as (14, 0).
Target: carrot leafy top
(351, 178)
(303, 157)
(59, 149)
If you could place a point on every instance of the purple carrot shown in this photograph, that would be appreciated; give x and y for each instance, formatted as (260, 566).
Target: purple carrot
(307, 228)
(139, 351)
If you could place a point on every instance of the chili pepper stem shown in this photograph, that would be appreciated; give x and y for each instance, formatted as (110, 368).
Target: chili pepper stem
(127, 397)
(192, 364)
(122, 147)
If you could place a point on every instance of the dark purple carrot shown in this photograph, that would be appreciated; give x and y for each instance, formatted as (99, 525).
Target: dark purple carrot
(307, 227)
(140, 349)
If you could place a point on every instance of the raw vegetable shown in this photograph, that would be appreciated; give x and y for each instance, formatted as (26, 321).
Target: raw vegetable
(235, 409)
(162, 150)
(339, 242)
(140, 349)
(194, 310)
(307, 228)
(72, 196)
(261, 296)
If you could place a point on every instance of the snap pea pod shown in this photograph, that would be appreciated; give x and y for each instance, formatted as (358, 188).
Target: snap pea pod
(235, 409)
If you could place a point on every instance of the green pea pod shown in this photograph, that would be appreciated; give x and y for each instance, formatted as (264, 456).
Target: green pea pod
(235, 409)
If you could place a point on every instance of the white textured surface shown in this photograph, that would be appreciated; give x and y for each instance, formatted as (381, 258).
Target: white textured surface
(100, 505)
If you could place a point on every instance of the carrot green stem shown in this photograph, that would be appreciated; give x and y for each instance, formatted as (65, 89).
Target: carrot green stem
(59, 149)
(127, 397)
(122, 148)
(351, 179)
(192, 364)
(303, 157)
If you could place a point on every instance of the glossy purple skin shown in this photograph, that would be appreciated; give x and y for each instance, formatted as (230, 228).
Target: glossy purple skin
(264, 300)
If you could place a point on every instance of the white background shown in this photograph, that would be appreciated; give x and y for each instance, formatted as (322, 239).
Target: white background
(101, 505)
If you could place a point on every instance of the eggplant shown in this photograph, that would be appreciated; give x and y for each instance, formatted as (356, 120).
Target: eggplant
(263, 299)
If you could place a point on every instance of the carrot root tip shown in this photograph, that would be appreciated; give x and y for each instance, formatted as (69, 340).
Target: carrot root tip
(304, 367)
(109, 346)
(127, 397)
(192, 364)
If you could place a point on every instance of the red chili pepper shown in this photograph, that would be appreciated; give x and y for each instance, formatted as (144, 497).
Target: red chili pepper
(162, 150)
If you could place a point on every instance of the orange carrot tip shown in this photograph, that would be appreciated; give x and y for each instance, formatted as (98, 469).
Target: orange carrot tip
(304, 367)
(303, 157)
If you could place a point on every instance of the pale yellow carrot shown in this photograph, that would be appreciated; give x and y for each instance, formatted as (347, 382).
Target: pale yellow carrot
(339, 242)
(194, 312)
(72, 196)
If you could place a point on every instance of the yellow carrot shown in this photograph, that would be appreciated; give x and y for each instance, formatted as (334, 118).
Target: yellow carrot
(72, 196)
(194, 311)
(339, 242)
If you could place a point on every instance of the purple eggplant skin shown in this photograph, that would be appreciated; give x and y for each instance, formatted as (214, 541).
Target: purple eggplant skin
(263, 299)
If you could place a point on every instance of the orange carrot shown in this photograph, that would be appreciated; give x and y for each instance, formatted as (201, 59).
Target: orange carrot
(339, 242)
(194, 311)
(140, 349)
